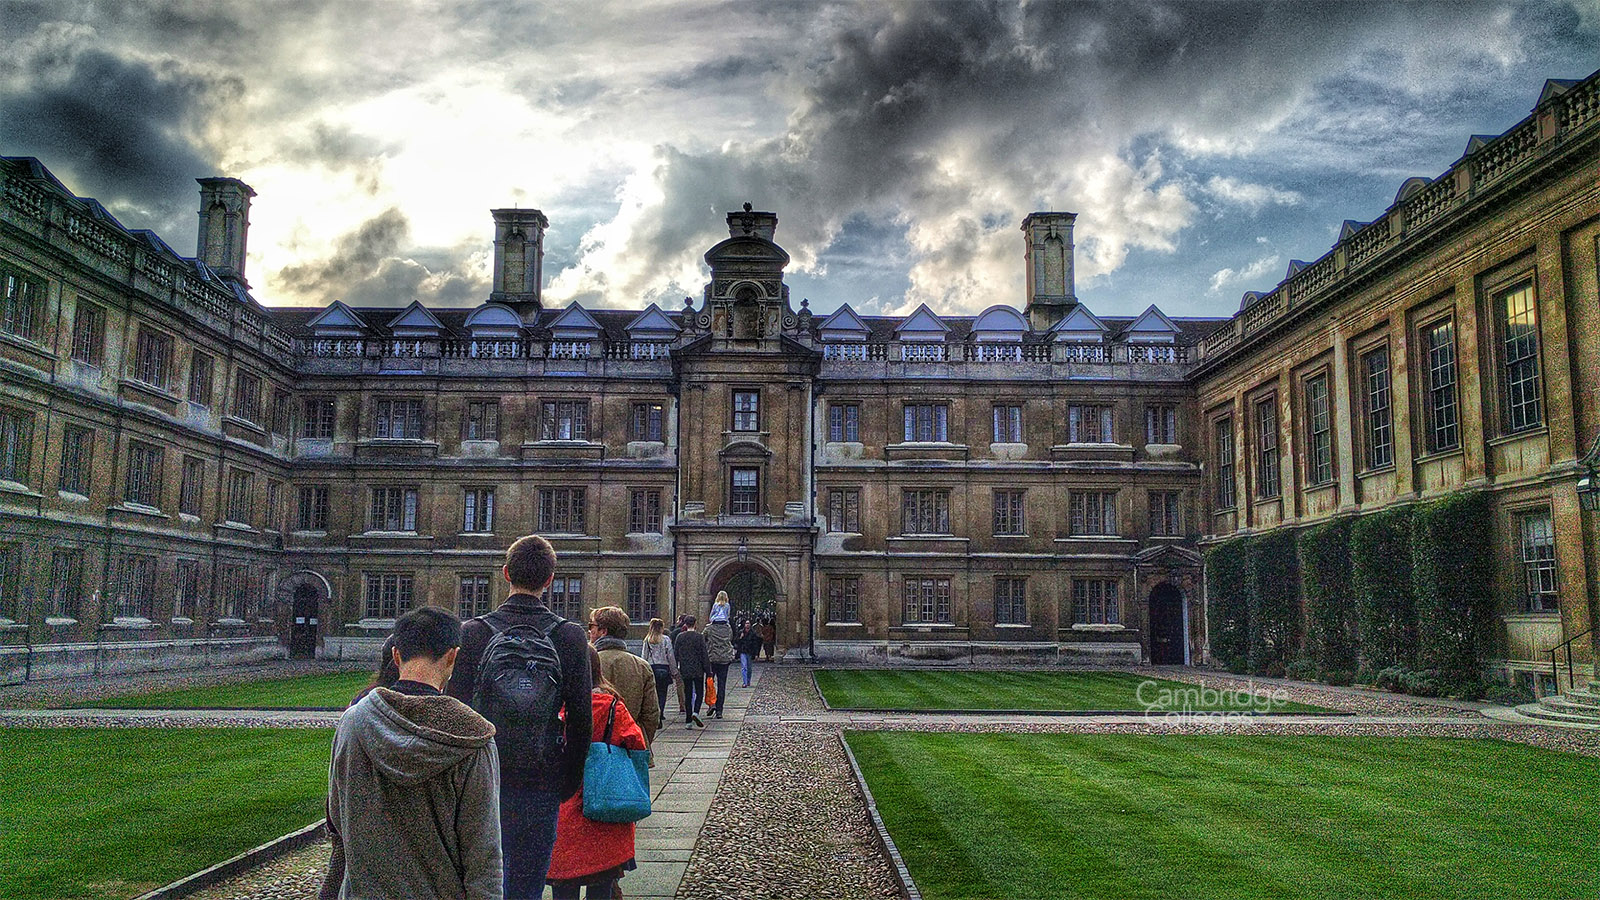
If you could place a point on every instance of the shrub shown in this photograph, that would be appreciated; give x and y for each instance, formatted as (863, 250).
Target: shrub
(1380, 575)
(1229, 603)
(1507, 694)
(1452, 574)
(1304, 668)
(1274, 581)
(1340, 677)
(1330, 608)
(1425, 683)
(1393, 678)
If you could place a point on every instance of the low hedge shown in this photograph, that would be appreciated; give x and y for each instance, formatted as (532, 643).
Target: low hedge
(1380, 577)
(1330, 608)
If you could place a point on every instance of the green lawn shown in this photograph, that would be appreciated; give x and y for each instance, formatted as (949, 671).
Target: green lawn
(114, 812)
(1041, 691)
(1124, 817)
(331, 691)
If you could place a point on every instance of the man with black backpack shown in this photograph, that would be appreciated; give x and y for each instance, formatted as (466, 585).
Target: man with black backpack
(519, 666)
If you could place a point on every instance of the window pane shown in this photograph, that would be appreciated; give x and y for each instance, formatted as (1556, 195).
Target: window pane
(1442, 425)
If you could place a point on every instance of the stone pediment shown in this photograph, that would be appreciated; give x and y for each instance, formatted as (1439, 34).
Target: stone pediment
(999, 323)
(747, 250)
(922, 325)
(1152, 326)
(337, 320)
(574, 323)
(843, 325)
(748, 448)
(1170, 556)
(416, 321)
(652, 324)
(494, 320)
(1080, 326)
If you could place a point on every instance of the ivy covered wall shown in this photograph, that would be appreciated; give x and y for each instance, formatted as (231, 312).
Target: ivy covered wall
(1404, 597)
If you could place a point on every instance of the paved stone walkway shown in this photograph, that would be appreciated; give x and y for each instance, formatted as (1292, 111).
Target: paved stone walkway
(683, 785)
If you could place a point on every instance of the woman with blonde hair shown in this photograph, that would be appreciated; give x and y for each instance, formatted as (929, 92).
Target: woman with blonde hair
(663, 662)
(719, 648)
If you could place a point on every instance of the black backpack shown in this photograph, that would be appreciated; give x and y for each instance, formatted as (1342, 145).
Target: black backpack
(519, 690)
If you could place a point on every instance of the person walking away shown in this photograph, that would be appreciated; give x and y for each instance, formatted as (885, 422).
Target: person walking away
(749, 646)
(663, 662)
(520, 667)
(769, 638)
(413, 785)
(719, 649)
(690, 648)
(630, 677)
(589, 854)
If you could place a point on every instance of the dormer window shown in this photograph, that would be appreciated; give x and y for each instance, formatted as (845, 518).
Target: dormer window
(997, 335)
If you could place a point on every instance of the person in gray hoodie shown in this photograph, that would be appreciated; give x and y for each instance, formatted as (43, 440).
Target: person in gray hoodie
(414, 785)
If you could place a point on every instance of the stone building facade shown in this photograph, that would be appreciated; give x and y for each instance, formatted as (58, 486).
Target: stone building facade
(189, 475)
(188, 468)
(1453, 343)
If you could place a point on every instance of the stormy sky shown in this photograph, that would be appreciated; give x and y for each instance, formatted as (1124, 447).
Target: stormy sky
(1202, 145)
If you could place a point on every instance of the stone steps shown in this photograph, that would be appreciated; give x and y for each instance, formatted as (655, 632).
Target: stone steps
(1575, 707)
(1584, 696)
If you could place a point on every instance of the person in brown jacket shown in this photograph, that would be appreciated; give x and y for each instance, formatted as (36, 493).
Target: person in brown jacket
(631, 677)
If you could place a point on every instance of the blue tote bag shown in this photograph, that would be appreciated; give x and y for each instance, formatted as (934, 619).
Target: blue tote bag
(616, 780)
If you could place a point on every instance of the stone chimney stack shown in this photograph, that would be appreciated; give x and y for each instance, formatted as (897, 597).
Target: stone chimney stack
(224, 225)
(518, 258)
(750, 222)
(1048, 254)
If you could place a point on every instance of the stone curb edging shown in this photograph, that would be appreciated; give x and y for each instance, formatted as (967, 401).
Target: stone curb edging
(222, 871)
(908, 887)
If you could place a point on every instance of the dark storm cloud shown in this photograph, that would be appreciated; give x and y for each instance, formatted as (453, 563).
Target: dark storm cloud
(356, 256)
(374, 265)
(124, 131)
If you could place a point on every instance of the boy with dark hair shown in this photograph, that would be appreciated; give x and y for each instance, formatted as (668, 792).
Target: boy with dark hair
(413, 787)
(693, 663)
(520, 666)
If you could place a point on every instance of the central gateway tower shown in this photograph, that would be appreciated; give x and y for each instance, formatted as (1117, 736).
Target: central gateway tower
(746, 374)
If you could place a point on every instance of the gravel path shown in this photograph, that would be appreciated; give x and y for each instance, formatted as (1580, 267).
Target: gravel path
(296, 876)
(89, 688)
(184, 718)
(787, 821)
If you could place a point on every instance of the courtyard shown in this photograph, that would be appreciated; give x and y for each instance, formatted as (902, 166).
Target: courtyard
(1084, 793)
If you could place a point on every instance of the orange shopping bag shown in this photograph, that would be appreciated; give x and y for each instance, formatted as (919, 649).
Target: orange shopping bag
(711, 690)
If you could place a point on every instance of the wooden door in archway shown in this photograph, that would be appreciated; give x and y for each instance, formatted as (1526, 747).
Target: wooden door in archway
(1166, 625)
(303, 623)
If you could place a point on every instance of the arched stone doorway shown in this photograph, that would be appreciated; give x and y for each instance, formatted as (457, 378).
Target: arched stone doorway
(1167, 629)
(751, 591)
(308, 595)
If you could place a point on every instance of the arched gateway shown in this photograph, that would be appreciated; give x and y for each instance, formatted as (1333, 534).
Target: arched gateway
(751, 590)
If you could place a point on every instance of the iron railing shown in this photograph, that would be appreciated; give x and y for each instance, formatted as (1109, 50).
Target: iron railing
(1566, 648)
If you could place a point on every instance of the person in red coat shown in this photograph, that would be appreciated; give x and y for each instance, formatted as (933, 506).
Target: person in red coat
(588, 853)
